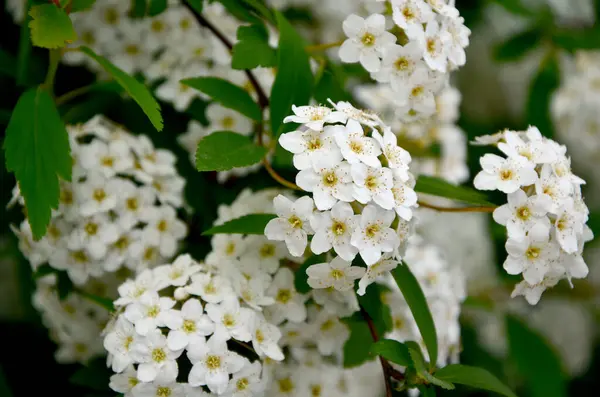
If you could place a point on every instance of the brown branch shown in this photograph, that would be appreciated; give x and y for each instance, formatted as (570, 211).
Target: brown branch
(456, 209)
(385, 366)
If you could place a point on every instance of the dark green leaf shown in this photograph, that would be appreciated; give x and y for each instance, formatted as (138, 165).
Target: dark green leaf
(64, 285)
(239, 10)
(293, 82)
(358, 345)
(474, 377)
(81, 5)
(225, 150)
(411, 290)
(331, 87)
(4, 389)
(157, 7)
(43, 270)
(393, 351)
(439, 187)
(24, 49)
(514, 7)
(378, 311)
(99, 300)
(301, 278)
(542, 87)
(419, 362)
(51, 27)
(518, 45)
(138, 8)
(253, 49)
(94, 377)
(247, 224)
(227, 94)
(8, 64)
(427, 391)
(37, 150)
(260, 9)
(197, 5)
(535, 361)
(138, 91)
(579, 39)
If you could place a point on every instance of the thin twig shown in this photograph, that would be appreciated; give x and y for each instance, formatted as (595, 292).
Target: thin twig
(457, 209)
(322, 47)
(385, 366)
(74, 94)
(278, 177)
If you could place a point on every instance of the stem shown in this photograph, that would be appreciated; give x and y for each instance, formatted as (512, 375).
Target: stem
(74, 94)
(278, 177)
(323, 47)
(457, 209)
(55, 56)
(385, 366)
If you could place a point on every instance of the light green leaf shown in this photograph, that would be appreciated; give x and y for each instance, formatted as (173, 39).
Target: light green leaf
(50, 27)
(301, 278)
(411, 290)
(224, 150)
(518, 45)
(439, 187)
(138, 91)
(37, 150)
(294, 80)
(252, 49)
(358, 346)
(535, 361)
(393, 351)
(542, 87)
(417, 358)
(227, 94)
(474, 377)
(81, 5)
(247, 224)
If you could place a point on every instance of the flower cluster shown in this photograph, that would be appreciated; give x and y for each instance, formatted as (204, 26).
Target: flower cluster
(183, 309)
(118, 211)
(360, 181)
(432, 38)
(545, 216)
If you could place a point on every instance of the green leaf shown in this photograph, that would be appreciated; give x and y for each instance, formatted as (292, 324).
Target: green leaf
(225, 150)
(157, 7)
(330, 86)
(24, 49)
(8, 64)
(411, 290)
(37, 150)
(301, 278)
(535, 361)
(4, 389)
(64, 285)
(138, 91)
(138, 8)
(518, 45)
(542, 87)
(293, 82)
(393, 351)
(426, 391)
(261, 9)
(514, 7)
(577, 39)
(419, 362)
(252, 49)
(50, 27)
(247, 224)
(43, 270)
(358, 346)
(81, 5)
(378, 311)
(474, 377)
(197, 5)
(439, 187)
(227, 94)
(95, 376)
(239, 10)
(99, 300)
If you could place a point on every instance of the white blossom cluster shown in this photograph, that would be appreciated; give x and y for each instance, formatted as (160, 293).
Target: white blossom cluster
(431, 38)
(545, 216)
(362, 188)
(118, 211)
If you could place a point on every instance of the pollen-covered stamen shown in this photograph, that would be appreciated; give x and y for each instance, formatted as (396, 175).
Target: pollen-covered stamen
(338, 228)
(506, 174)
(295, 222)
(368, 39)
(213, 362)
(283, 296)
(523, 213)
(330, 179)
(533, 253)
(336, 274)
(159, 355)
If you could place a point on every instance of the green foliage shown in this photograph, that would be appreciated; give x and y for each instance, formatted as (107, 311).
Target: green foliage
(64, 285)
(330, 86)
(518, 45)
(156, 7)
(474, 377)
(239, 9)
(95, 376)
(580, 39)
(301, 278)
(378, 311)
(542, 87)
(535, 361)
(439, 187)
(197, 5)
(224, 150)
(37, 151)
(358, 346)
(427, 391)
(247, 224)
(411, 290)
(294, 80)
(8, 64)
(252, 49)
(227, 94)
(81, 5)
(138, 91)
(393, 351)
(51, 27)
(514, 7)
(419, 363)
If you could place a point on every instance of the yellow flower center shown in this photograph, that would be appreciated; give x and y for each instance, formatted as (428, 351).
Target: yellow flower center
(314, 144)
(372, 230)
(330, 179)
(132, 204)
(285, 385)
(99, 195)
(336, 274)
(153, 311)
(283, 296)
(295, 222)
(159, 355)
(368, 39)
(79, 256)
(506, 175)
(267, 250)
(228, 320)
(242, 384)
(533, 253)
(402, 64)
(163, 391)
(213, 362)
(91, 229)
(338, 228)
(189, 326)
(523, 213)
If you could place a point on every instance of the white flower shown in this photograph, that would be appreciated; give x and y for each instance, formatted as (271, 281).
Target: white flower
(265, 252)
(535, 150)
(163, 229)
(289, 304)
(174, 91)
(132, 290)
(459, 39)
(152, 311)
(334, 229)
(246, 383)
(532, 255)
(355, 146)
(418, 94)
(96, 234)
(554, 188)
(161, 386)
(265, 337)
(329, 333)
(373, 234)
(118, 343)
(225, 247)
(213, 363)
(292, 224)
(107, 158)
(376, 270)
(506, 175)
(569, 226)
(125, 381)
(132, 202)
(97, 194)
(221, 118)
(436, 42)
(231, 321)
(367, 41)
(373, 184)
(328, 185)
(211, 288)
(312, 148)
(195, 325)
(404, 199)
(154, 357)
(411, 14)
(399, 63)
(398, 158)
(178, 273)
(533, 292)
(314, 117)
(521, 213)
(338, 274)
(80, 265)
